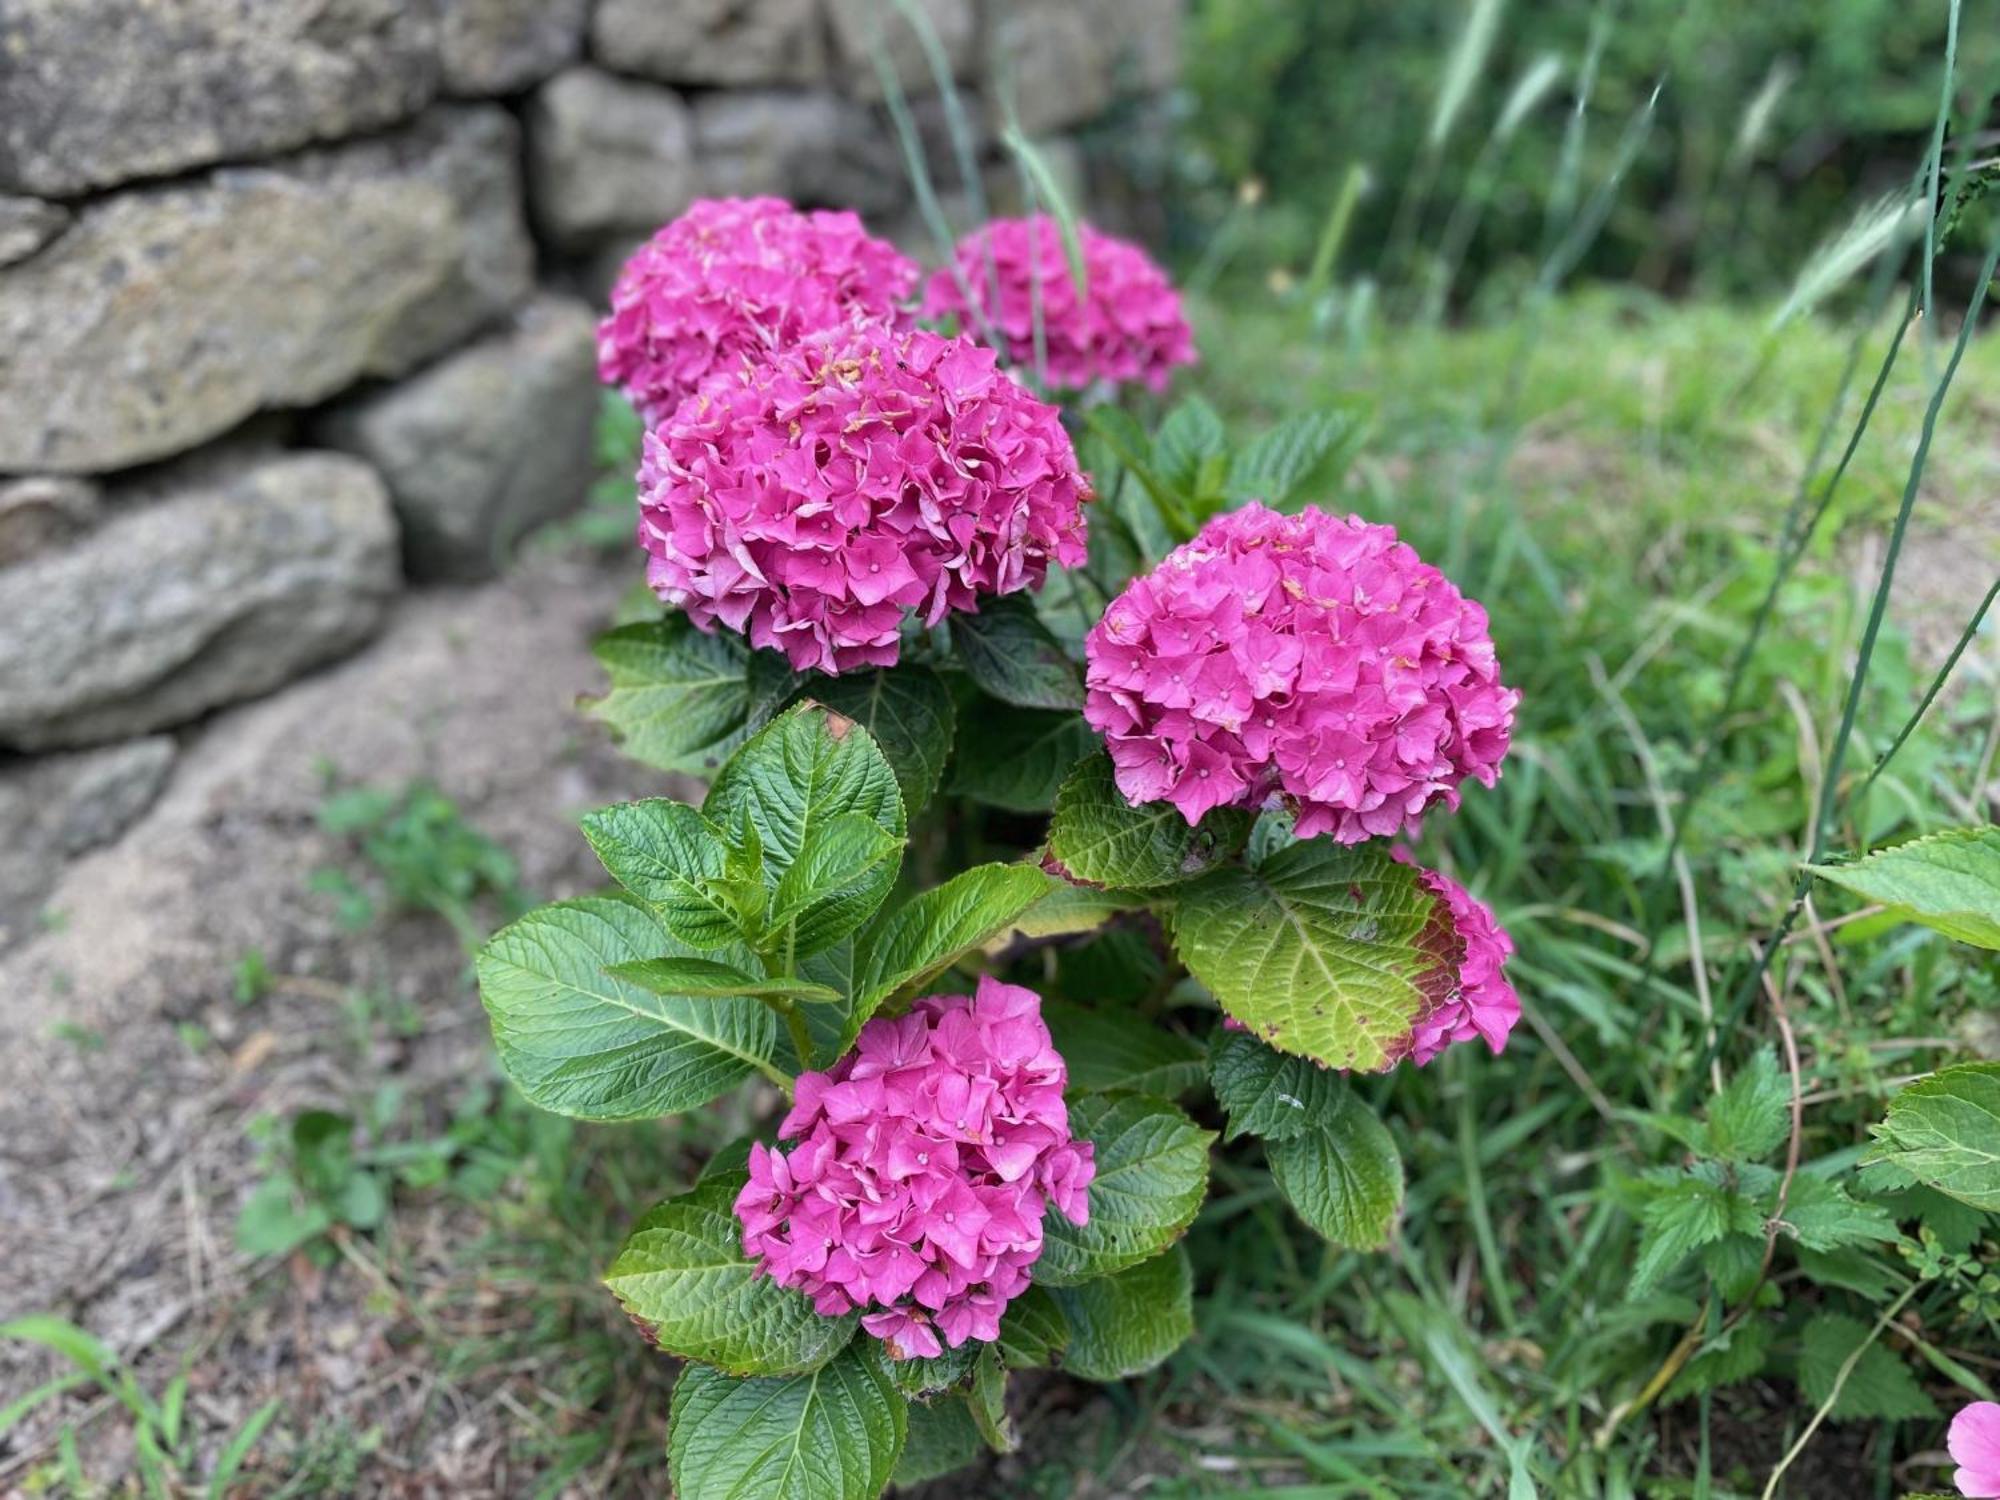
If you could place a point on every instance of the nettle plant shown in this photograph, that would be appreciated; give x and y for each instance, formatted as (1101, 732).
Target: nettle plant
(1023, 909)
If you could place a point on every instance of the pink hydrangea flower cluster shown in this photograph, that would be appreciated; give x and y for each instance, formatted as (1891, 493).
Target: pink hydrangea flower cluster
(1128, 326)
(732, 280)
(1484, 1003)
(925, 1161)
(811, 499)
(1309, 656)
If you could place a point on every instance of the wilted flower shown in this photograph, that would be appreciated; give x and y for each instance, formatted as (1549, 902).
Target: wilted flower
(1974, 1441)
(812, 499)
(1483, 1003)
(1127, 326)
(925, 1161)
(732, 280)
(1309, 656)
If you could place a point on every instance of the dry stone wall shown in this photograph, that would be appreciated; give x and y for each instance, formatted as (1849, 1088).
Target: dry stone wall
(296, 303)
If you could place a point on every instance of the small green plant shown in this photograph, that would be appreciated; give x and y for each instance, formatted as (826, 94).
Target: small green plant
(165, 1443)
(418, 854)
(317, 1180)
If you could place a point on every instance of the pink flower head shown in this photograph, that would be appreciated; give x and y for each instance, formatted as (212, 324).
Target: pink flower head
(1974, 1441)
(1128, 325)
(811, 500)
(1309, 657)
(733, 279)
(1483, 1003)
(925, 1161)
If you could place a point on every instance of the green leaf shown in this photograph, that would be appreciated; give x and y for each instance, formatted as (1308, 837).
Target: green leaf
(1680, 1218)
(1307, 450)
(674, 860)
(1108, 1053)
(908, 711)
(934, 929)
(1344, 1177)
(1948, 881)
(1033, 1331)
(682, 700)
(1126, 1324)
(1009, 653)
(1821, 1216)
(1188, 436)
(683, 1277)
(1728, 1360)
(272, 1220)
(833, 1434)
(1267, 1093)
(1944, 1131)
(801, 772)
(1017, 758)
(1152, 1174)
(942, 1438)
(922, 1378)
(579, 1042)
(1327, 951)
(705, 979)
(1752, 1115)
(836, 883)
(1101, 838)
(1070, 909)
(1879, 1388)
(987, 1400)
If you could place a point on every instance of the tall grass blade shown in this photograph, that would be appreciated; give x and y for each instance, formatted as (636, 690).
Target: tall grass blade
(1530, 89)
(1937, 686)
(1880, 226)
(1755, 126)
(1050, 191)
(1334, 235)
(1468, 61)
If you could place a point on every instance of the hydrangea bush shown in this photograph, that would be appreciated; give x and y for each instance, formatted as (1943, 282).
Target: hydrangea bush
(1061, 776)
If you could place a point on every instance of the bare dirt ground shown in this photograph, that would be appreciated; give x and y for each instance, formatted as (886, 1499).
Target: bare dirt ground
(123, 1148)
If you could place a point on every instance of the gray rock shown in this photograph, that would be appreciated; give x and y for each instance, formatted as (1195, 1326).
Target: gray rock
(168, 315)
(608, 157)
(42, 511)
(101, 92)
(814, 148)
(711, 41)
(27, 224)
(56, 807)
(860, 26)
(206, 594)
(1056, 57)
(485, 444)
(498, 46)
(1144, 38)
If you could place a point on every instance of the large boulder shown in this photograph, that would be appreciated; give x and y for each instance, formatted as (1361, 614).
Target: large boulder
(608, 158)
(167, 315)
(99, 92)
(486, 443)
(815, 148)
(711, 41)
(499, 46)
(862, 27)
(56, 807)
(27, 224)
(1055, 56)
(44, 510)
(215, 587)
